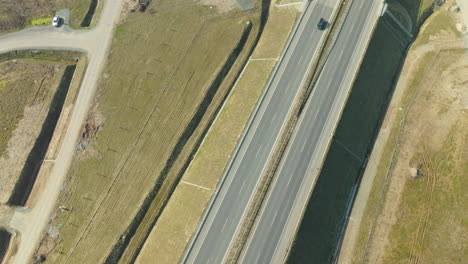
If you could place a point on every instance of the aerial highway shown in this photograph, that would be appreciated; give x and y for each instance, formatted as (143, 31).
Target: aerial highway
(218, 229)
(278, 219)
(95, 42)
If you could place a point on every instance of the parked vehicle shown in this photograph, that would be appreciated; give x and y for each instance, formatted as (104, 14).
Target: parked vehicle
(56, 21)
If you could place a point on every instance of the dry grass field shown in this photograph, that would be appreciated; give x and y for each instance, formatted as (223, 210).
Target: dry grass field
(26, 91)
(164, 79)
(168, 238)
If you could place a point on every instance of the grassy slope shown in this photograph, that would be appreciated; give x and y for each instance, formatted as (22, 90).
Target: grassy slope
(418, 9)
(19, 87)
(440, 21)
(172, 231)
(179, 161)
(20, 77)
(179, 221)
(155, 80)
(28, 82)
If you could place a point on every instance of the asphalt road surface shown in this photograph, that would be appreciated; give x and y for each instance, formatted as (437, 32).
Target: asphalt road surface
(275, 227)
(96, 43)
(217, 231)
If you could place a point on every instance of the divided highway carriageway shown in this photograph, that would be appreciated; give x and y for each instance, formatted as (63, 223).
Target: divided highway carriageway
(223, 218)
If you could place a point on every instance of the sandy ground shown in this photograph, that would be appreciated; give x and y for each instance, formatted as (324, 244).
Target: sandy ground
(449, 91)
(464, 17)
(28, 128)
(19, 146)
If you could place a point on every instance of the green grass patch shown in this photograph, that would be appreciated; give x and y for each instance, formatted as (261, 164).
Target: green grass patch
(41, 21)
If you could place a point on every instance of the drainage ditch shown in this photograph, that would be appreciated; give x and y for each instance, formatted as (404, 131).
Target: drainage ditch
(90, 14)
(29, 173)
(5, 239)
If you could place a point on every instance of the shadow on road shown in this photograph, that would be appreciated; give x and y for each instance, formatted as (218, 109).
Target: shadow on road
(319, 236)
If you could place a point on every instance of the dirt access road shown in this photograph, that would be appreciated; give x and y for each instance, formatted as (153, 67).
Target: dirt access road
(95, 42)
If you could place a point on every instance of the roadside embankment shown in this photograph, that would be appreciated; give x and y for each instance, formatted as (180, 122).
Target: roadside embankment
(184, 210)
(396, 214)
(154, 102)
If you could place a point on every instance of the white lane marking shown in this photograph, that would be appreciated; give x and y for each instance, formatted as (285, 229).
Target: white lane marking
(303, 146)
(264, 59)
(224, 225)
(289, 181)
(196, 185)
(289, 4)
(256, 153)
(242, 186)
(273, 219)
(256, 260)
